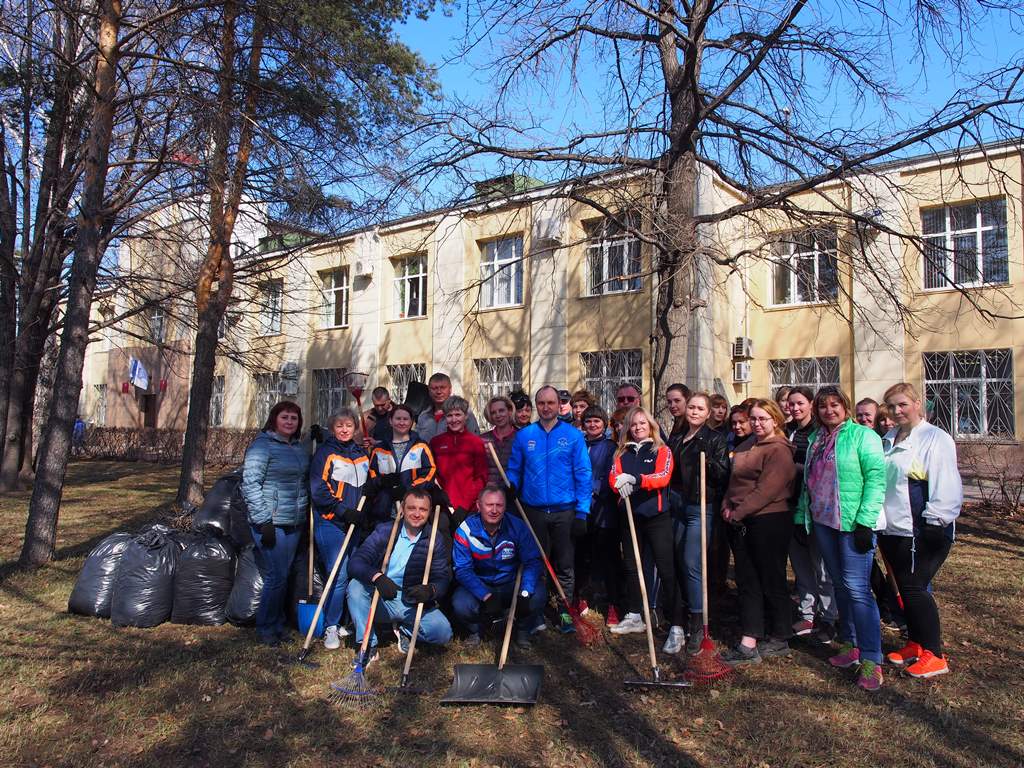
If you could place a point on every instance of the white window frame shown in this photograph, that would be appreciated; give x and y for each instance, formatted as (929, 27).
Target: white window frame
(501, 273)
(217, 402)
(603, 238)
(401, 374)
(604, 371)
(334, 286)
(940, 247)
(99, 410)
(789, 252)
(267, 392)
(329, 394)
(157, 325)
(404, 281)
(271, 307)
(988, 385)
(496, 376)
(793, 372)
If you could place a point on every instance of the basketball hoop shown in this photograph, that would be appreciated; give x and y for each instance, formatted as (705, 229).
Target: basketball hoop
(355, 383)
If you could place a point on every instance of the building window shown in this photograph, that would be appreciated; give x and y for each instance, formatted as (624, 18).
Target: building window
(496, 376)
(501, 273)
(329, 393)
(157, 326)
(804, 268)
(271, 305)
(335, 298)
(603, 372)
(222, 327)
(268, 392)
(411, 287)
(811, 372)
(613, 256)
(970, 393)
(400, 376)
(965, 245)
(217, 402)
(99, 409)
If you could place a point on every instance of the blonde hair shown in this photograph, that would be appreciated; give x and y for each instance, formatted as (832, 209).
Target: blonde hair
(773, 410)
(903, 388)
(627, 422)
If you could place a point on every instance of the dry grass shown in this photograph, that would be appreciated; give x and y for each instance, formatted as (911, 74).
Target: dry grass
(78, 692)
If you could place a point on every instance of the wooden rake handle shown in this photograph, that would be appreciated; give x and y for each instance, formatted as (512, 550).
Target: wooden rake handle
(419, 607)
(376, 595)
(643, 587)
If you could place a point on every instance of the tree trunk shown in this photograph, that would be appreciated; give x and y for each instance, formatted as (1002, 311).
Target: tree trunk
(41, 527)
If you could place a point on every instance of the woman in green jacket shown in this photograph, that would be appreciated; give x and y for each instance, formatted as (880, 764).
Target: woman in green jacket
(841, 504)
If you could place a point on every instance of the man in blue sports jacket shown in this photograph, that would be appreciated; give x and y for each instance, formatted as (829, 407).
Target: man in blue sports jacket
(550, 471)
(487, 550)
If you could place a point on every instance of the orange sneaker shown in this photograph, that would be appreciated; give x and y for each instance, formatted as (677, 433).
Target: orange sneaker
(908, 654)
(928, 665)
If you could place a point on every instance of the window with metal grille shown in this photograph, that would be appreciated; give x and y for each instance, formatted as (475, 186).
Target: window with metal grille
(501, 273)
(400, 376)
(970, 393)
(965, 245)
(329, 394)
(99, 412)
(804, 268)
(335, 298)
(157, 327)
(411, 287)
(604, 371)
(217, 402)
(268, 392)
(271, 305)
(812, 372)
(613, 256)
(496, 376)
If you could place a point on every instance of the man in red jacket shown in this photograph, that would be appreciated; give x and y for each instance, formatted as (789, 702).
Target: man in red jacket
(461, 461)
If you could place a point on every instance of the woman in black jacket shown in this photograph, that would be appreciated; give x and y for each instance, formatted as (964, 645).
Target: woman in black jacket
(699, 438)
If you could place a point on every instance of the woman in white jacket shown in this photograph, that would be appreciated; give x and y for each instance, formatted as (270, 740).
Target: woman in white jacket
(923, 496)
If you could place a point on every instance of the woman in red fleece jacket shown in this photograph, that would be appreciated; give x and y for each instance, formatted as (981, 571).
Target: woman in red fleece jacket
(461, 460)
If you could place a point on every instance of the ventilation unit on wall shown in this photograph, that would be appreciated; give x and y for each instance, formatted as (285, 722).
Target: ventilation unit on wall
(362, 268)
(742, 348)
(741, 373)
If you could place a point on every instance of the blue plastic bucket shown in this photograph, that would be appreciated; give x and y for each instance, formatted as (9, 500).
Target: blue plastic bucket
(305, 611)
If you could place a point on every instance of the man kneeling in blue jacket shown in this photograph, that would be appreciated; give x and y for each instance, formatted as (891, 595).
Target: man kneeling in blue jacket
(488, 549)
(401, 587)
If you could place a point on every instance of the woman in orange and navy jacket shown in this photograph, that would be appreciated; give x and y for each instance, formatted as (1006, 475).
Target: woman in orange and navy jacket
(399, 463)
(338, 478)
(641, 471)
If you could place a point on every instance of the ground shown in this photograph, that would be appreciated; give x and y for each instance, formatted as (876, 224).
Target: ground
(78, 692)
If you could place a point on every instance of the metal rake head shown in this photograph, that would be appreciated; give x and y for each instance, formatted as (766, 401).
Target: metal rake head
(352, 690)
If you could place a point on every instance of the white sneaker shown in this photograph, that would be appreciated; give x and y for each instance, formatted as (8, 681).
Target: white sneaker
(343, 631)
(674, 643)
(332, 639)
(629, 624)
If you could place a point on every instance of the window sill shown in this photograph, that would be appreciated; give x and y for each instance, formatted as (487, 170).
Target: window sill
(333, 328)
(271, 335)
(404, 319)
(499, 308)
(631, 291)
(963, 287)
(800, 305)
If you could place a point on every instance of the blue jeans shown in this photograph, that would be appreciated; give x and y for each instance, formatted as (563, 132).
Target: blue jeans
(329, 538)
(851, 579)
(434, 627)
(274, 566)
(466, 606)
(686, 531)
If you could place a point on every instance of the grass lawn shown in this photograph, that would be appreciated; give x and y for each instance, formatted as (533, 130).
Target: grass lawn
(78, 692)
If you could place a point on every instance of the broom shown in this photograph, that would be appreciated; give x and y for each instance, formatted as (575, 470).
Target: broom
(586, 633)
(706, 665)
(353, 688)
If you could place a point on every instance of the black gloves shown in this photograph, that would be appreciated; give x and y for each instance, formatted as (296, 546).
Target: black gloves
(512, 495)
(932, 535)
(421, 593)
(354, 516)
(390, 481)
(863, 539)
(268, 535)
(579, 527)
(492, 606)
(800, 535)
(439, 498)
(523, 606)
(387, 588)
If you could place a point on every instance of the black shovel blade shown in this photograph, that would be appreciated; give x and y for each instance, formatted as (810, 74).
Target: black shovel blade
(486, 684)
(649, 684)
(418, 398)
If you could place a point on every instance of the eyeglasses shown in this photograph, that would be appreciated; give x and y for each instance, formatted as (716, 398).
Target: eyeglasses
(761, 419)
(626, 399)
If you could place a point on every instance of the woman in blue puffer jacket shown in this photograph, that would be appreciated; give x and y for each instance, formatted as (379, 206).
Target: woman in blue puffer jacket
(275, 491)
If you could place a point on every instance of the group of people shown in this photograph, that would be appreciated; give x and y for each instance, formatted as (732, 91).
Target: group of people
(806, 480)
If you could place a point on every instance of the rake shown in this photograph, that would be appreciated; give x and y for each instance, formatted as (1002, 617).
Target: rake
(706, 665)
(353, 689)
(586, 633)
(355, 383)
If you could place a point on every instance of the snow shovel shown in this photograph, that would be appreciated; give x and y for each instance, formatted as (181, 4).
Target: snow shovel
(418, 398)
(502, 684)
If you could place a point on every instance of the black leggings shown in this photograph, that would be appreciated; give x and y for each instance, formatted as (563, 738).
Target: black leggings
(761, 553)
(914, 565)
(655, 531)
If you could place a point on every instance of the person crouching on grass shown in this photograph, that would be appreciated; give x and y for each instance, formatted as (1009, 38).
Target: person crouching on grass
(401, 588)
(488, 549)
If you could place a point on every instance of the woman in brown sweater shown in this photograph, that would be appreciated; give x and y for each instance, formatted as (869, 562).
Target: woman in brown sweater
(756, 507)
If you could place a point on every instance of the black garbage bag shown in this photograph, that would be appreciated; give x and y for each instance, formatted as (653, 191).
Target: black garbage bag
(297, 582)
(144, 588)
(91, 593)
(244, 600)
(202, 582)
(225, 511)
(184, 539)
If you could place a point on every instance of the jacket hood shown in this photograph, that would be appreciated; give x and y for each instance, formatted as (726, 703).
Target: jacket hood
(272, 435)
(781, 440)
